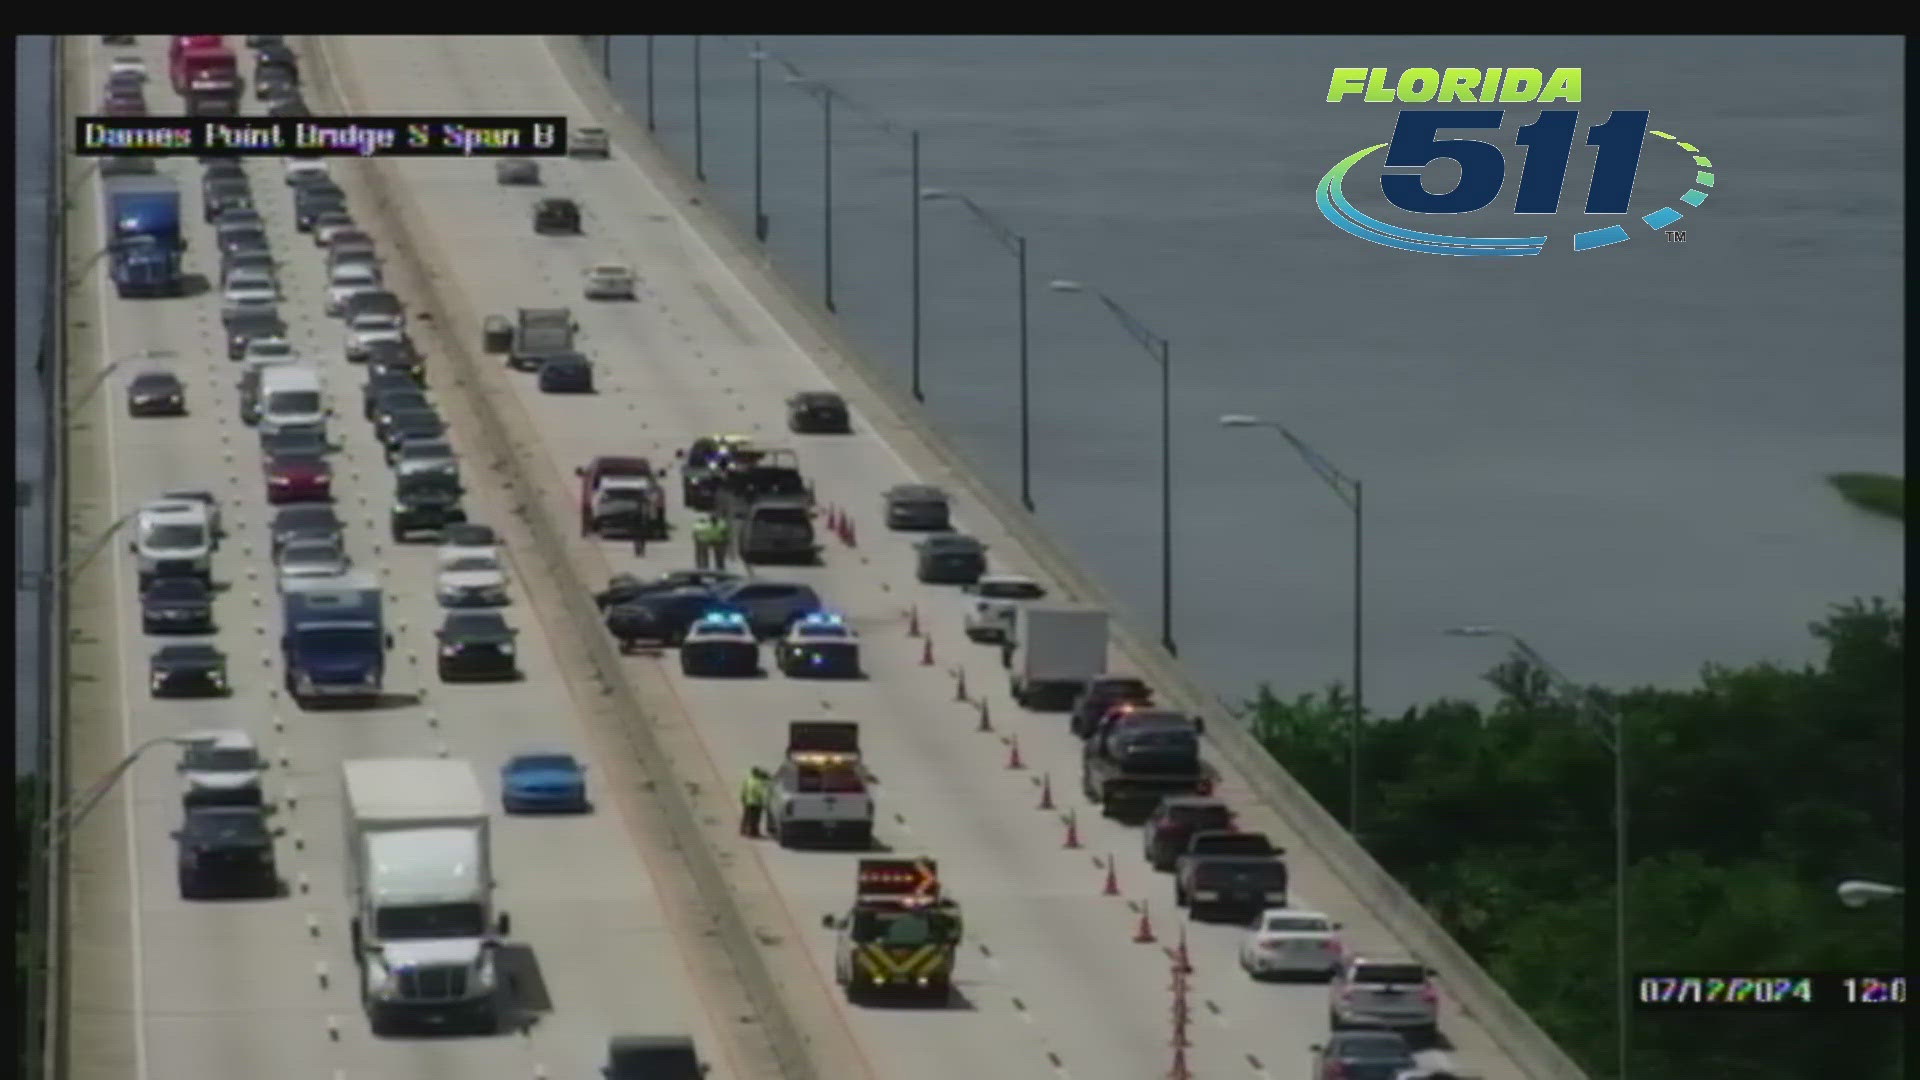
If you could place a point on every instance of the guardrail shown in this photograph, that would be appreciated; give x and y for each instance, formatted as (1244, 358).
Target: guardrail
(701, 861)
(1389, 901)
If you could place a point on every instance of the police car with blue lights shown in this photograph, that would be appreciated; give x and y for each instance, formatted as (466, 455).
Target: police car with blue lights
(819, 646)
(720, 643)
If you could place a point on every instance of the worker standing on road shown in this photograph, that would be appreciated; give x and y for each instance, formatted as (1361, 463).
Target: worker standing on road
(703, 543)
(753, 802)
(722, 536)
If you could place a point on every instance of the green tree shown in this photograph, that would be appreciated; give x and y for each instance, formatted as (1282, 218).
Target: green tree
(1749, 797)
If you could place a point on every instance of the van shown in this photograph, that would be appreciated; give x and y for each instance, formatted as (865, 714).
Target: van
(291, 396)
(173, 538)
(346, 279)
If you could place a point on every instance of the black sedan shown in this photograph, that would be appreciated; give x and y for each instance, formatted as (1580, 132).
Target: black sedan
(395, 355)
(556, 216)
(188, 670)
(177, 605)
(381, 383)
(624, 587)
(410, 424)
(659, 617)
(476, 645)
(567, 374)
(389, 403)
(243, 324)
(818, 412)
(951, 559)
(156, 393)
(302, 520)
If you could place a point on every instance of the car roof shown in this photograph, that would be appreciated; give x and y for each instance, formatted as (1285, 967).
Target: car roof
(475, 622)
(916, 491)
(177, 584)
(468, 534)
(306, 513)
(156, 376)
(527, 757)
(192, 650)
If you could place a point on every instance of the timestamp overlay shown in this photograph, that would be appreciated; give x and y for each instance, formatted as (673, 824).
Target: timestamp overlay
(1689, 991)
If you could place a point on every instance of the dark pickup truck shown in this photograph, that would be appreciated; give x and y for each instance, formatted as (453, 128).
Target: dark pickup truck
(1229, 874)
(1164, 837)
(1139, 756)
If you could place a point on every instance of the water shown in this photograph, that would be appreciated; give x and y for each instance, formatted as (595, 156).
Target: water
(33, 120)
(1617, 454)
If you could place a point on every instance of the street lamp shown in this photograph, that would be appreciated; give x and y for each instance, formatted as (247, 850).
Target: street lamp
(649, 82)
(825, 94)
(914, 194)
(1615, 737)
(1016, 245)
(1161, 352)
(92, 387)
(759, 56)
(1856, 894)
(1347, 490)
(66, 818)
(699, 133)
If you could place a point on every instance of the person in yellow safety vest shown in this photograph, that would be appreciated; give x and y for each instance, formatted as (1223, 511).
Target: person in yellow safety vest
(753, 802)
(719, 539)
(703, 536)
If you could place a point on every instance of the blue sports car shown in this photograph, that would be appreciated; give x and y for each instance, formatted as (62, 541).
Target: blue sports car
(534, 782)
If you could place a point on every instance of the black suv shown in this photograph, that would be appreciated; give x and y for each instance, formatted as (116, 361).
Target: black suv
(226, 851)
(476, 645)
(191, 670)
(818, 412)
(556, 216)
(384, 355)
(243, 324)
(425, 502)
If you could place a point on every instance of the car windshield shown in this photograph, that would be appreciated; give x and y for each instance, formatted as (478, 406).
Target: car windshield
(316, 517)
(469, 536)
(1200, 817)
(222, 759)
(270, 348)
(175, 537)
(416, 921)
(405, 399)
(476, 622)
(1011, 590)
(1250, 873)
(472, 563)
(782, 515)
(426, 450)
(299, 463)
(1370, 1046)
(257, 321)
(1310, 924)
(155, 383)
(310, 555)
(420, 420)
(294, 401)
(353, 274)
(823, 631)
(229, 828)
(304, 443)
(177, 589)
(337, 639)
(836, 779)
(543, 762)
(1390, 974)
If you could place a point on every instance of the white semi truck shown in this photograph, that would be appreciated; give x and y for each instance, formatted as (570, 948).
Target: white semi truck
(1055, 648)
(420, 886)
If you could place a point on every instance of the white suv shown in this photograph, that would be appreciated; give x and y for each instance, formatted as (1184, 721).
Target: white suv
(173, 538)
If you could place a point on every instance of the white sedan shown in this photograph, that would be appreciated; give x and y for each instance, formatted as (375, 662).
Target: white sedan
(1291, 941)
(127, 65)
(307, 559)
(471, 579)
(246, 288)
(300, 169)
(588, 142)
(610, 282)
(466, 539)
(270, 349)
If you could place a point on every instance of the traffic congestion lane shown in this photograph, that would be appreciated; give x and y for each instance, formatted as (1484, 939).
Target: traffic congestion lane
(234, 989)
(673, 345)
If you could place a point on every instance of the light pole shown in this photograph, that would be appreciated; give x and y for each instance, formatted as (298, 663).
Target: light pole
(1016, 246)
(1857, 894)
(92, 387)
(606, 56)
(66, 818)
(1347, 489)
(918, 395)
(1614, 734)
(699, 132)
(1158, 348)
(759, 56)
(825, 94)
(649, 82)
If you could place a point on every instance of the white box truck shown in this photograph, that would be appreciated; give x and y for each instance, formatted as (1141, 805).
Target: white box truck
(420, 887)
(1055, 649)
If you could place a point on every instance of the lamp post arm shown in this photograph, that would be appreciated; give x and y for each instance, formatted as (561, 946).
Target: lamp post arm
(64, 819)
(1152, 342)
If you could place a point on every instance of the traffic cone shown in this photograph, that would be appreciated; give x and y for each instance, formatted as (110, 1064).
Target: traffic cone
(1046, 791)
(986, 718)
(1013, 752)
(1179, 1065)
(1182, 963)
(1144, 935)
(833, 520)
(1073, 832)
(846, 528)
(926, 653)
(913, 621)
(960, 684)
(1112, 887)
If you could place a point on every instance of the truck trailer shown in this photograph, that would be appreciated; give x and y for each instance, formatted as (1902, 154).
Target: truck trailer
(1055, 649)
(144, 241)
(334, 644)
(420, 887)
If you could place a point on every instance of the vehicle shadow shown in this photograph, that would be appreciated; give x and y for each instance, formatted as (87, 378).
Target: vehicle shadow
(386, 702)
(527, 995)
(956, 1000)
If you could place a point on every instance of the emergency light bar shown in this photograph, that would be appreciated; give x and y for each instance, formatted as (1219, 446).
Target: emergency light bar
(823, 760)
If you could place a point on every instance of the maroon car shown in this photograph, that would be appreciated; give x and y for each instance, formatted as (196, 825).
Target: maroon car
(299, 478)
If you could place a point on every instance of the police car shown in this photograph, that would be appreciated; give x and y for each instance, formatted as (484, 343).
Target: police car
(819, 646)
(720, 643)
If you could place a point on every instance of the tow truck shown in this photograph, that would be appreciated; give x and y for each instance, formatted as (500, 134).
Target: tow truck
(820, 791)
(901, 935)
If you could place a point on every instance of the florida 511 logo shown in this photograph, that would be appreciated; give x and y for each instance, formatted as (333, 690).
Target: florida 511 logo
(1481, 142)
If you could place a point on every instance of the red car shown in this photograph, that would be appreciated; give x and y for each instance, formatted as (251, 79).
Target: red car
(299, 478)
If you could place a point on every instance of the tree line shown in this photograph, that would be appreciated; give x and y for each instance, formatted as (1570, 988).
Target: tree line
(1750, 797)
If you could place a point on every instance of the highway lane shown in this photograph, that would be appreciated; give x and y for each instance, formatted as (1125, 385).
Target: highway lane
(697, 354)
(232, 989)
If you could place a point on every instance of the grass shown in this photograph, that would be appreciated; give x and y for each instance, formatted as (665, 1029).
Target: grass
(1876, 493)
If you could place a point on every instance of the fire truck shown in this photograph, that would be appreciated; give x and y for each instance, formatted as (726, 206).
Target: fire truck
(901, 936)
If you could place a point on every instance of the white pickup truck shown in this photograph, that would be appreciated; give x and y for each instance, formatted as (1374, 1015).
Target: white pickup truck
(820, 791)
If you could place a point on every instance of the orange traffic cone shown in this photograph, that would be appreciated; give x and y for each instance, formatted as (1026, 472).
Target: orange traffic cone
(833, 520)
(913, 621)
(986, 718)
(1182, 963)
(1144, 935)
(926, 653)
(1073, 832)
(960, 684)
(1112, 887)
(1013, 752)
(846, 528)
(1179, 1065)
(1046, 791)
